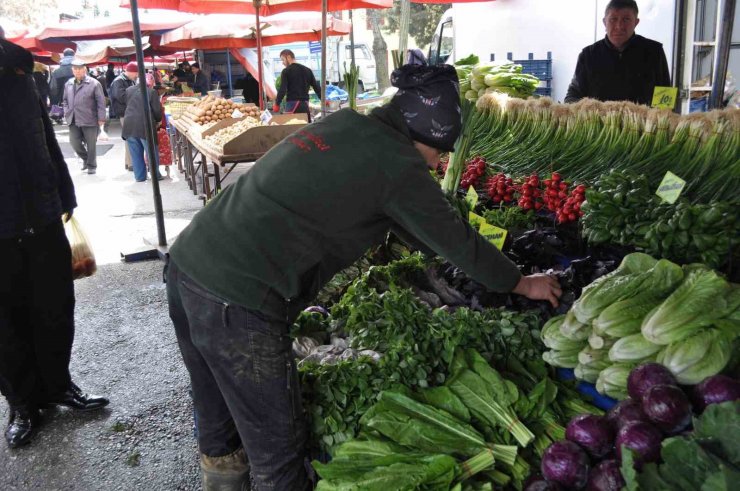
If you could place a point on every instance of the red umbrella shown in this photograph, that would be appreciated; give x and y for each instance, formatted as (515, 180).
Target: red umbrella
(85, 30)
(260, 7)
(268, 7)
(239, 31)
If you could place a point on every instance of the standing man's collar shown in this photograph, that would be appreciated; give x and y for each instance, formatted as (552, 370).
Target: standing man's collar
(626, 45)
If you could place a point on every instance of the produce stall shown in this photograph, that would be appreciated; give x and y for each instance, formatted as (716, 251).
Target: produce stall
(214, 134)
(417, 377)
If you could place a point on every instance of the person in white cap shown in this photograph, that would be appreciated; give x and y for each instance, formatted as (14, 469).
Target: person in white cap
(84, 112)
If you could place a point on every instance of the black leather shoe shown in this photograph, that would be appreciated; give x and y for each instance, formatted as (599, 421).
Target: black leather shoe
(21, 427)
(75, 399)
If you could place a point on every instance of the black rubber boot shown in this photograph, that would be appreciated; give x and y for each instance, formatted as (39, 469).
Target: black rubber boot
(226, 473)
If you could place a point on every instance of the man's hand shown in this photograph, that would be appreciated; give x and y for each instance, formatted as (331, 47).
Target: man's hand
(539, 287)
(67, 215)
(276, 108)
(101, 123)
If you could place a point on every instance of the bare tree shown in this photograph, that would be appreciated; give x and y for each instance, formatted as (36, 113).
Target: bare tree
(403, 29)
(25, 12)
(380, 50)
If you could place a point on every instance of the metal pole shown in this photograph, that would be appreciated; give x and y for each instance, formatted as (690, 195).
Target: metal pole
(153, 168)
(324, 8)
(722, 56)
(261, 78)
(679, 48)
(228, 73)
(351, 39)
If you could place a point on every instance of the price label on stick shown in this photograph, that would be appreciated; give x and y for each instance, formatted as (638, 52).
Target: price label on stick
(472, 197)
(664, 97)
(476, 220)
(495, 235)
(670, 187)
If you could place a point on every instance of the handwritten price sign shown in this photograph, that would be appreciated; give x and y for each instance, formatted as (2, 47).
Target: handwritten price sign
(670, 187)
(664, 97)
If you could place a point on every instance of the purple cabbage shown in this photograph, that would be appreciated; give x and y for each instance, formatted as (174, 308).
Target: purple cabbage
(627, 411)
(642, 378)
(318, 309)
(668, 408)
(643, 438)
(539, 483)
(565, 463)
(714, 390)
(595, 434)
(605, 476)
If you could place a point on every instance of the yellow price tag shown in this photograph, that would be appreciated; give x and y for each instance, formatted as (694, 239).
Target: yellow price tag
(472, 197)
(495, 235)
(664, 97)
(670, 187)
(475, 220)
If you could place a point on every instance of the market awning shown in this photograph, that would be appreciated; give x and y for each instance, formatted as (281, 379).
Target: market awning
(220, 31)
(94, 29)
(109, 54)
(269, 7)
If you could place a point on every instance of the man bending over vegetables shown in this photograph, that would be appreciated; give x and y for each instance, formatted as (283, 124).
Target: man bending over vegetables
(260, 251)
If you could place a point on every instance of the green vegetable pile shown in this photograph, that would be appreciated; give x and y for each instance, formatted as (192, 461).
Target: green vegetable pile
(686, 318)
(586, 140)
(471, 431)
(478, 79)
(708, 458)
(381, 312)
(623, 209)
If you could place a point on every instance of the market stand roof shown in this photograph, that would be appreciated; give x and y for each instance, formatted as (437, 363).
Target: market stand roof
(220, 31)
(269, 7)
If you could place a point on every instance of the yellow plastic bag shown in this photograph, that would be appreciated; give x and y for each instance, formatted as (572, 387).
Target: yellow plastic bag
(83, 259)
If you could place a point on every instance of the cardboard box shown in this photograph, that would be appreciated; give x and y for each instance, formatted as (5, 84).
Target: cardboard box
(260, 139)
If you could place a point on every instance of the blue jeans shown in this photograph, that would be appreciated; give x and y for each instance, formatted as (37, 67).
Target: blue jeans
(137, 147)
(245, 384)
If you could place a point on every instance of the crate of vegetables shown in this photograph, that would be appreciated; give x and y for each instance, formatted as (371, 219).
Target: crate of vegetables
(247, 136)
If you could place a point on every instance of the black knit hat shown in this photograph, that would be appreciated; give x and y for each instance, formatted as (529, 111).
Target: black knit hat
(429, 98)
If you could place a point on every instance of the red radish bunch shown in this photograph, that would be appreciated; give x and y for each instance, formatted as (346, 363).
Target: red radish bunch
(475, 169)
(500, 188)
(571, 208)
(530, 194)
(556, 191)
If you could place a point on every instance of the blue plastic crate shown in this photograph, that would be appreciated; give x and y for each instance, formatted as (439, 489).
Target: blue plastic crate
(698, 105)
(543, 91)
(541, 69)
(589, 390)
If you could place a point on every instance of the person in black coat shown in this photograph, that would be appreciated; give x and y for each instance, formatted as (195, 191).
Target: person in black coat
(134, 129)
(623, 66)
(41, 78)
(36, 292)
(60, 76)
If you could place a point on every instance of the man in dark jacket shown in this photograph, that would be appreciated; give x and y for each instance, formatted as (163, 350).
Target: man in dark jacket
(134, 129)
(295, 80)
(36, 291)
(123, 81)
(41, 77)
(110, 75)
(200, 80)
(60, 76)
(623, 66)
(279, 244)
